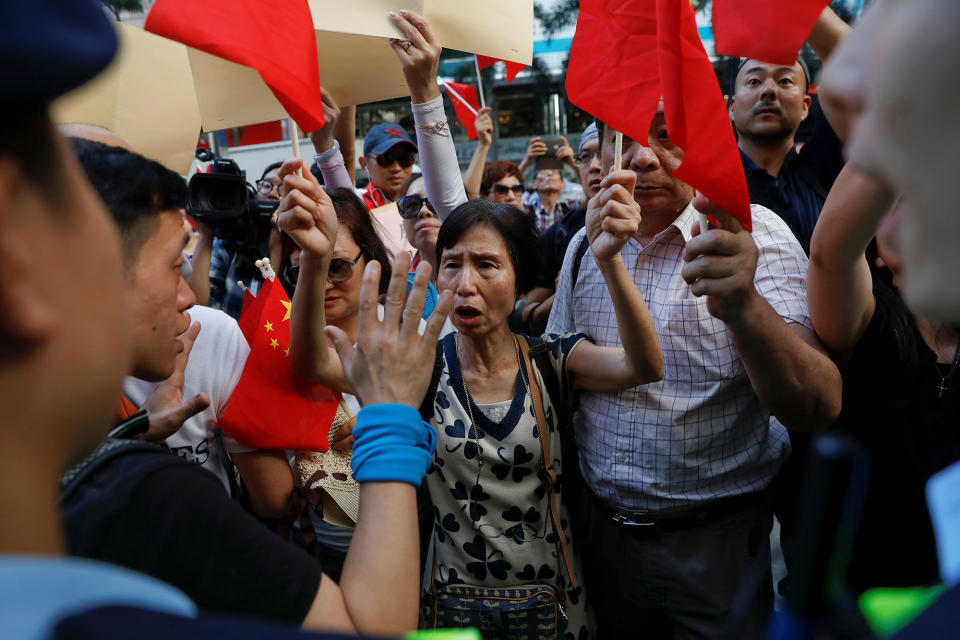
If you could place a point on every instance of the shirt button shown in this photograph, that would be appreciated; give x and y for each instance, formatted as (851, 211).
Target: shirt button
(621, 458)
(626, 407)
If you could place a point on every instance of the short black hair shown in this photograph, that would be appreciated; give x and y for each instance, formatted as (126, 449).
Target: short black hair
(134, 189)
(516, 228)
(271, 167)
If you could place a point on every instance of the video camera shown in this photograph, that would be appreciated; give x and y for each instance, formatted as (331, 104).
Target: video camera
(224, 201)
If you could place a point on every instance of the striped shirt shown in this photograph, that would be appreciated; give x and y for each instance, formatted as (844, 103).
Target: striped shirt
(701, 433)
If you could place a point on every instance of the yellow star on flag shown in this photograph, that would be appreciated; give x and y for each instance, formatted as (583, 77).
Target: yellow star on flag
(286, 305)
(274, 343)
(286, 352)
(268, 326)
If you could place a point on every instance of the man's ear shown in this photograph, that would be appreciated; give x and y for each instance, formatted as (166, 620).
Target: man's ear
(806, 107)
(363, 162)
(730, 107)
(28, 313)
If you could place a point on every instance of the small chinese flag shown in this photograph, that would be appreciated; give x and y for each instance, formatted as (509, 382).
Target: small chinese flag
(464, 99)
(513, 68)
(767, 31)
(275, 38)
(627, 55)
(269, 408)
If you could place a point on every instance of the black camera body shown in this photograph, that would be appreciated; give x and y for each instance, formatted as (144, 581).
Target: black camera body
(224, 201)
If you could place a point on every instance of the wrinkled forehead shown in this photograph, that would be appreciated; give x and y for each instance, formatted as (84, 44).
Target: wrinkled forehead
(752, 66)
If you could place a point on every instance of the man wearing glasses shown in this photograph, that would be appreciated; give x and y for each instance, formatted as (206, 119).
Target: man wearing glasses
(388, 158)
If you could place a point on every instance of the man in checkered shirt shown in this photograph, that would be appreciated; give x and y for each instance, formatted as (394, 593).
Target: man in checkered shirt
(677, 470)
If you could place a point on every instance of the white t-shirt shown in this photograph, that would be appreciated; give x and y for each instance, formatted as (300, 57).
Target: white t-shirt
(215, 365)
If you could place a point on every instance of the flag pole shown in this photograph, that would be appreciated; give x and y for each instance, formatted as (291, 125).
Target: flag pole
(618, 153)
(704, 223)
(460, 98)
(294, 137)
(483, 102)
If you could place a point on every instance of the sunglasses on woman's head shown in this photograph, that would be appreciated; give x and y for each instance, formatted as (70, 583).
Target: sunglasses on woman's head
(502, 189)
(404, 156)
(409, 206)
(340, 270)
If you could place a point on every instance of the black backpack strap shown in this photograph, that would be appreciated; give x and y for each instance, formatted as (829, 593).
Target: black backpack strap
(109, 449)
(426, 407)
(577, 259)
(540, 355)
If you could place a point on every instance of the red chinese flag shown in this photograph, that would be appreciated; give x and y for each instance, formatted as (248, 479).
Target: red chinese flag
(768, 30)
(627, 55)
(513, 68)
(464, 99)
(696, 116)
(269, 409)
(275, 38)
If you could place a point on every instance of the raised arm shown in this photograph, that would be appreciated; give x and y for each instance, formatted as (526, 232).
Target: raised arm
(328, 154)
(419, 58)
(827, 33)
(613, 217)
(474, 174)
(379, 589)
(307, 215)
(839, 285)
(788, 367)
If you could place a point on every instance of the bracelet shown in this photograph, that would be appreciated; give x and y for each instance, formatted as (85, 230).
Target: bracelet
(437, 126)
(320, 158)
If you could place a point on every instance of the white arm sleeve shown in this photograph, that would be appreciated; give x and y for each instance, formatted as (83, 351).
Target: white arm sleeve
(438, 158)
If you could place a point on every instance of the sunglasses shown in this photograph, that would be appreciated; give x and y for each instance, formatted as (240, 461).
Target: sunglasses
(405, 157)
(502, 189)
(340, 270)
(409, 206)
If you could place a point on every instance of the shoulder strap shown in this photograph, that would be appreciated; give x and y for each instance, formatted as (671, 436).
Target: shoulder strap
(577, 259)
(551, 473)
(426, 407)
(540, 354)
(109, 449)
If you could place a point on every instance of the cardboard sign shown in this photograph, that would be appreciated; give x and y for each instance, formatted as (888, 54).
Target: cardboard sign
(146, 97)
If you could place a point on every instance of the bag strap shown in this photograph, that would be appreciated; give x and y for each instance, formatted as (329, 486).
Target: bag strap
(551, 473)
(577, 260)
(106, 451)
(540, 354)
(426, 407)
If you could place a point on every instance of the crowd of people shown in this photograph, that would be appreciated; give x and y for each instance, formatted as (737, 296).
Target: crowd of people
(558, 418)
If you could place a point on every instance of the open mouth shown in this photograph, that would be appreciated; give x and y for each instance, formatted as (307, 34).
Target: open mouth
(467, 313)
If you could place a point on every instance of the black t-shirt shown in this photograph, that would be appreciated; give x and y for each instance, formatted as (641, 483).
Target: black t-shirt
(555, 241)
(798, 192)
(892, 406)
(155, 513)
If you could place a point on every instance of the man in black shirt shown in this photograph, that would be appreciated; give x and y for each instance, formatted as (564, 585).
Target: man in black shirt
(767, 104)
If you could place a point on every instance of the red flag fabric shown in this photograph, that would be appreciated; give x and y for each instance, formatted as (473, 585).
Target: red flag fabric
(513, 68)
(625, 56)
(768, 31)
(269, 409)
(275, 38)
(464, 98)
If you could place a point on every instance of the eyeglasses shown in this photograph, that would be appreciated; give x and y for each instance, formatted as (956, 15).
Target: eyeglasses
(404, 156)
(409, 206)
(340, 270)
(502, 189)
(265, 187)
(586, 157)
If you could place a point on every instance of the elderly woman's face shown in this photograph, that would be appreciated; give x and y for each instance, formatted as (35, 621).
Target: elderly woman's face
(479, 273)
(421, 232)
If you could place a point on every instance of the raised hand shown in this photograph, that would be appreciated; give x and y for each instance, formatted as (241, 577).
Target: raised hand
(721, 264)
(419, 55)
(613, 216)
(392, 362)
(165, 405)
(484, 126)
(306, 212)
(566, 154)
(322, 138)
